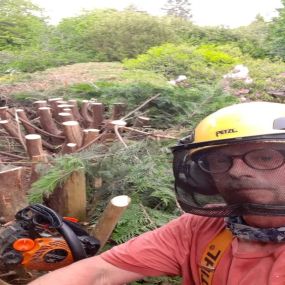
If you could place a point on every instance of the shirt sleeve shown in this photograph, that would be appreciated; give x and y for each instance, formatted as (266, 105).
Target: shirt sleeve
(155, 253)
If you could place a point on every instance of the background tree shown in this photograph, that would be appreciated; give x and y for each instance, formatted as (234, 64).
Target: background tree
(276, 36)
(127, 34)
(178, 8)
(21, 23)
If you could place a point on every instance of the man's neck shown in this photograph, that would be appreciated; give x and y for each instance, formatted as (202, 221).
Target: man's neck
(264, 221)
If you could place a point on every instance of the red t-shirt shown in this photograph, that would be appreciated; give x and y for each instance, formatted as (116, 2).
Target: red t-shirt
(177, 248)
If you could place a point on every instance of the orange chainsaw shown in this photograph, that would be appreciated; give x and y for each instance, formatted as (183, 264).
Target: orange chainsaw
(40, 239)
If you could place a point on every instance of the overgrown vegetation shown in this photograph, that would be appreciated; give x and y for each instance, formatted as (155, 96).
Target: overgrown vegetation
(28, 43)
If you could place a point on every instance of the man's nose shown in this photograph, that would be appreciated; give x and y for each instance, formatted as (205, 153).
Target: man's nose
(239, 168)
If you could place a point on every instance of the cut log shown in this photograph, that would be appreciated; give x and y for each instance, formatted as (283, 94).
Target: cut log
(47, 121)
(72, 132)
(27, 126)
(12, 195)
(89, 135)
(97, 112)
(119, 110)
(110, 218)
(70, 200)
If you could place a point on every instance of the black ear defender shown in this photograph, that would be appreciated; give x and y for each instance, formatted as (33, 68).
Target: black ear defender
(189, 177)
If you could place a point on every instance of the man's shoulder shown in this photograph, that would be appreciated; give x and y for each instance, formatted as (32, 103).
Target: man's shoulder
(198, 224)
(196, 220)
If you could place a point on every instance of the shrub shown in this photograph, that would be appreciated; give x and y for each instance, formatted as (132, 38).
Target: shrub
(201, 63)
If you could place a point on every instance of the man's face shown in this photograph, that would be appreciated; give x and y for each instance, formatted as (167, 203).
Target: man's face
(244, 184)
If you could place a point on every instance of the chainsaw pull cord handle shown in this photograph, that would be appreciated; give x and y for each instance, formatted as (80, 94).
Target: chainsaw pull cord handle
(57, 223)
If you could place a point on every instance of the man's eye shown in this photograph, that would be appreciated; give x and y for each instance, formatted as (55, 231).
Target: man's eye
(266, 158)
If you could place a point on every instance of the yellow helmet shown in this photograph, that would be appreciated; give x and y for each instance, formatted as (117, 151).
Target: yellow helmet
(242, 121)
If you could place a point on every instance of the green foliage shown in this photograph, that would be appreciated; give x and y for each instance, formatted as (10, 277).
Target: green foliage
(33, 59)
(143, 172)
(252, 39)
(109, 35)
(21, 24)
(137, 33)
(203, 63)
(174, 105)
(276, 36)
(53, 177)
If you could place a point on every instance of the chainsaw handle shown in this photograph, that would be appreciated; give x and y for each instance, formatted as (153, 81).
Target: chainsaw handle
(55, 221)
(73, 242)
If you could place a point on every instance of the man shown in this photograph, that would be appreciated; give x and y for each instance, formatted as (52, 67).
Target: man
(230, 178)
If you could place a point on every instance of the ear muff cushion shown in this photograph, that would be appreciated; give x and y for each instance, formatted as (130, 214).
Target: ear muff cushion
(189, 176)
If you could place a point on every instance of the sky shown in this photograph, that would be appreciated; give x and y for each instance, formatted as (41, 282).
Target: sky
(229, 13)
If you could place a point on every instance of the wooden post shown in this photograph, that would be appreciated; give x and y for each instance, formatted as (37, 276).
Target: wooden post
(89, 135)
(47, 121)
(97, 111)
(70, 200)
(22, 115)
(118, 110)
(110, 218)
(72, 132)
(12, 195)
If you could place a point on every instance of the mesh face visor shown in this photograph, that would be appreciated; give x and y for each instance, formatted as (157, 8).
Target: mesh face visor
(244, 177)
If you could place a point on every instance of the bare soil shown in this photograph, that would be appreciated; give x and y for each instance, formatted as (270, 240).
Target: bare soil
(60, 77)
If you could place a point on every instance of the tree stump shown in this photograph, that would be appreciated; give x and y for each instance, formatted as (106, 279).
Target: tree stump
(70, 200)
(12, 195)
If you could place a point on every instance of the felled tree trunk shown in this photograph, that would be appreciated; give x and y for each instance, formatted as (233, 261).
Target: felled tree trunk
(12, 196)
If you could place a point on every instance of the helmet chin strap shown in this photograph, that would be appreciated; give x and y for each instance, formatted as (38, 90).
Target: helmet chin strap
(240, 229)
